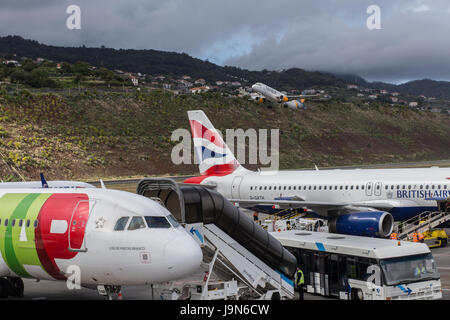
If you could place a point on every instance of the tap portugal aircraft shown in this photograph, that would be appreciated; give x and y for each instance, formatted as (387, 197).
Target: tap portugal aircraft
(114, 237)
(356, 202)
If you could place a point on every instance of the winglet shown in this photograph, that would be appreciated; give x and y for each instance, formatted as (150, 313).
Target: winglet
(102, 184)
(43, 181)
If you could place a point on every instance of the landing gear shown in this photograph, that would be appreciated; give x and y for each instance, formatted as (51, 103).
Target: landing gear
(11, 286)
(112, 292)
(16, 286)
(5, 288)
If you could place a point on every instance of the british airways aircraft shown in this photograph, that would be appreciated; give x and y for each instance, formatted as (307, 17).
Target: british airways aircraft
(356, 201)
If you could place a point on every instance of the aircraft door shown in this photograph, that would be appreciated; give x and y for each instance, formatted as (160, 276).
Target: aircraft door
(369, 186)
(235, 194)
(377, 189)
(78, 223)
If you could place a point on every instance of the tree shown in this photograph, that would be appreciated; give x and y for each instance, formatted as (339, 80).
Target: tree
(28, 65)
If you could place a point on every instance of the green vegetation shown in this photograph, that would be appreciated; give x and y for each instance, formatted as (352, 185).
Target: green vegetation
(118, 134)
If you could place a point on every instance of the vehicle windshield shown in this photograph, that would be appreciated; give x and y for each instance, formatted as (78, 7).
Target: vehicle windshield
(409, 269)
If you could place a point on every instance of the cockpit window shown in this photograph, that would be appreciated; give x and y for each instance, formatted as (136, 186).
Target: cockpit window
(173, 221)
(121, 223)
(157, 222)
(136, 223)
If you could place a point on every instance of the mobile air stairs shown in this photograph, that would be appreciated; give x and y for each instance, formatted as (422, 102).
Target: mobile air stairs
(422, 223)
(240, 259)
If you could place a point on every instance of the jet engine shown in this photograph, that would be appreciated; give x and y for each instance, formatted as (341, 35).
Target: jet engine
(294, 104)
(370, 223)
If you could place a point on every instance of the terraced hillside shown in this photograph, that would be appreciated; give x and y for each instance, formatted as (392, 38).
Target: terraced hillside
(99, 134)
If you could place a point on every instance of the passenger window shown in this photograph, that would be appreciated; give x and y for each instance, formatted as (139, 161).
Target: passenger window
(157, 222)
(121, 224)
(20, 223)
(136, 223)
(6, 222)
(13, 222)
(28, 223)
(36, 222)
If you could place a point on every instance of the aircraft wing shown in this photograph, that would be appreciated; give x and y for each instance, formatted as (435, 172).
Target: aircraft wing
(287, 204)
(302, 96)
(323, 206)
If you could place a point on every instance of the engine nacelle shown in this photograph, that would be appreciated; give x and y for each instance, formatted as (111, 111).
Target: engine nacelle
(294, 104)
(370, 224)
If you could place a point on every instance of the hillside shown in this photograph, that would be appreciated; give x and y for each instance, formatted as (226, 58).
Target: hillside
(165, 63)
(426, 87)
(110, 134)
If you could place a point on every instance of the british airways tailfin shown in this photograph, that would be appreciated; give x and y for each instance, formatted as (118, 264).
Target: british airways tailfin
(214, 156)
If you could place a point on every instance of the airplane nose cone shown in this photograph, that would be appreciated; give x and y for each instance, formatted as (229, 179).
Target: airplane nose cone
(183, 256)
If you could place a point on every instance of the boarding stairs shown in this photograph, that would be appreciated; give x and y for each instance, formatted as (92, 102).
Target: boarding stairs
(423, 222)
(243, 265)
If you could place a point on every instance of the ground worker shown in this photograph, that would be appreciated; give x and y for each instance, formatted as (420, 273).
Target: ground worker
(394, 236)
(418, 237)
(299, 282)
(255, 216)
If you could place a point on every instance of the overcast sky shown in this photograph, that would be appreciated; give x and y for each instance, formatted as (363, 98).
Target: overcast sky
(323, 35)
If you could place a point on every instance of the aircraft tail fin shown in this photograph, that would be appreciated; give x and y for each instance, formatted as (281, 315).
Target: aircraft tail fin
(214, 156)
(43, 181)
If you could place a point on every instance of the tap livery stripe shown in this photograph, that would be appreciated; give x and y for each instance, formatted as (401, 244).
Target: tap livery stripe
(23, 244)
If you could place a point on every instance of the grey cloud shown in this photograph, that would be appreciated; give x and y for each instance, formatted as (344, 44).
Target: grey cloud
(326, 35)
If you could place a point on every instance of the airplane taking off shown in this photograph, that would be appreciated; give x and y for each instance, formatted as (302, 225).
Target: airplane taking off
(113, 237)
(267, 93)
(356, 201)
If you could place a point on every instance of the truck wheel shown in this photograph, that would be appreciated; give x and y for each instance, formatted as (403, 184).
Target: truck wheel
(357, 294)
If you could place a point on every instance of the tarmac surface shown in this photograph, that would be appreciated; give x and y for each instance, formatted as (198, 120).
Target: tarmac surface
(57, 290)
